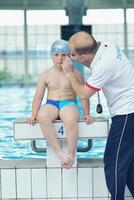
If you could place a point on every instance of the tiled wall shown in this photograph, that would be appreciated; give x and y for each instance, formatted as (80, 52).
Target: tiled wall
(32, 180)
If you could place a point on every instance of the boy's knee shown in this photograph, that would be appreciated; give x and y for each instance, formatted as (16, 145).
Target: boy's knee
(45, 118)
(71, 122)
(42, 117)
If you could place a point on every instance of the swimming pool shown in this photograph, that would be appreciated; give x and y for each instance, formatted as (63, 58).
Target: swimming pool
(15, 103)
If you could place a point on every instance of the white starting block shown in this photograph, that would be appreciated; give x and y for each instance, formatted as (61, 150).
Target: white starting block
(24, 131)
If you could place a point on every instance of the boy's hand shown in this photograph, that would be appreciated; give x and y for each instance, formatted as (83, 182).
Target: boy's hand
(31, 120)
(88, 119)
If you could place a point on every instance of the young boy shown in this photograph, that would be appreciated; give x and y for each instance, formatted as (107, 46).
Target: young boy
(61, 103)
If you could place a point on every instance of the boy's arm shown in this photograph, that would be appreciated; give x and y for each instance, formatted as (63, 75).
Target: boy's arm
(84, 101)
(38, 97)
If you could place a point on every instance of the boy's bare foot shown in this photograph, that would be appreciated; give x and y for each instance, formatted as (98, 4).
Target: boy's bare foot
(70, 163)
(65, 158)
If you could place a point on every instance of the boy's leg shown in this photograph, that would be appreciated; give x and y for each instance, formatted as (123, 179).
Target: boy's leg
(69, 115)
(47, 114)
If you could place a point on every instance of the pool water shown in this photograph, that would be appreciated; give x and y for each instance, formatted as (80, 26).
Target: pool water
(16, 103)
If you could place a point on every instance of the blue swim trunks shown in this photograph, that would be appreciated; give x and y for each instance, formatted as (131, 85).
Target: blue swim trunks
(62, 103)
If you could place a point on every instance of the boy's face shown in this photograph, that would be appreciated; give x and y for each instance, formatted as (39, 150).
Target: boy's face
(58, 58)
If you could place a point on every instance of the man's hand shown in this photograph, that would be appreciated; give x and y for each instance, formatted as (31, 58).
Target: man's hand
(67, 65)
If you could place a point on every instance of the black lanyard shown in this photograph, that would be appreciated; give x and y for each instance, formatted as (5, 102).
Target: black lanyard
(99, 108)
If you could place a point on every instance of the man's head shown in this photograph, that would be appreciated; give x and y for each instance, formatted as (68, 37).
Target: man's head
(60, 47)
(82, 47)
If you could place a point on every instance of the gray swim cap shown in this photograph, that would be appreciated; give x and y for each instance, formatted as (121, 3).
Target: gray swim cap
(60, 47)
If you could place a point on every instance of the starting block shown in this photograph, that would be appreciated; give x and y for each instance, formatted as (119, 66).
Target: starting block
(23, 131)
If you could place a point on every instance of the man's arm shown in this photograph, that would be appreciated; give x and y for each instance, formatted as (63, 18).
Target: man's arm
(80, 88)
(84, 101)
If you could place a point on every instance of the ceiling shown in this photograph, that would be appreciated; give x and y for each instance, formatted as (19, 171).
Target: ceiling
(64, 4)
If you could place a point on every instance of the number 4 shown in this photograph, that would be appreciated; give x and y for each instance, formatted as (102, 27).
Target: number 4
(61, 130)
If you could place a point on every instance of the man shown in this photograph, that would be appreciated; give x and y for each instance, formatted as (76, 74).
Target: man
(114, 75)
(61, 103)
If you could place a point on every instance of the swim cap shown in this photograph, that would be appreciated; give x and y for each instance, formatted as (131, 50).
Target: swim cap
(60, 47)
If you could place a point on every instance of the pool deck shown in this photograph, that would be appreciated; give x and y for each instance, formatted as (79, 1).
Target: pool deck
(40, 163)
(33, 180)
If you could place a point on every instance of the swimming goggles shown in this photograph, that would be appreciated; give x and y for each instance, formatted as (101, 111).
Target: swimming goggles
(61, 50)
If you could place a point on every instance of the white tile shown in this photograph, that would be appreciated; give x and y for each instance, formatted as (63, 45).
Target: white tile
(23, 183)
(72, 199)
(38, 183)
(70, 183)
(99, 184)
(8, 183)
(51, 157)
(54, 183)
(66, 199)
(84, 182)
(127, 193)
(101, 198)
(84, 199)
(38, 199)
